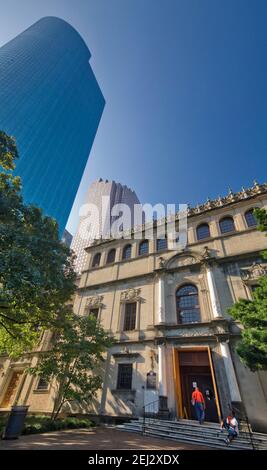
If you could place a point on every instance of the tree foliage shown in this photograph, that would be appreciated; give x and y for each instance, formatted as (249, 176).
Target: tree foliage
(261, 216)
(252, 348)
(36, 268)
(74, 361)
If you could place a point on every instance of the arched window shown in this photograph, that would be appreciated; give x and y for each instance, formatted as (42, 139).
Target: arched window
(187, 303)
(203, 231)
(250, 218)
(127, 252)
(227, 225)
(111, 256)
(96, 260)
(143, 248)
(162, 244)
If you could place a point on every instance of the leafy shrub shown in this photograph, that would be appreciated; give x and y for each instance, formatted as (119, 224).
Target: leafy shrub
(41, 424)
(35, 424)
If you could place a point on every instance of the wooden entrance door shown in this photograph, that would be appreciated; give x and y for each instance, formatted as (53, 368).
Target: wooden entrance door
(195, 371)
(11, 390)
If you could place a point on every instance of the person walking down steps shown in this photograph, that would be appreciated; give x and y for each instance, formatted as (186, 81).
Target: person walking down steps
(198, 403)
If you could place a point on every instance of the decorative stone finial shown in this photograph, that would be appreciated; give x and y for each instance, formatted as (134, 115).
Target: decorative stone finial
(206, 252)
(220, 201)
(256, 185)
(244, 192)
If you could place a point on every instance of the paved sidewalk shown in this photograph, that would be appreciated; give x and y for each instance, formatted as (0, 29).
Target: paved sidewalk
(99, 438)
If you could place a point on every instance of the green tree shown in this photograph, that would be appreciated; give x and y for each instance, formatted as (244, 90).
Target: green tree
(74, 361)
(252, 348)
(261, 216)
(36, 268)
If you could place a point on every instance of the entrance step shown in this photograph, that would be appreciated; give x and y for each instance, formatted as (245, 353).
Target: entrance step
(190, 431)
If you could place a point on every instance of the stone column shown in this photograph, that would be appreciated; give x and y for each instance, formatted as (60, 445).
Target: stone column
(161, 300)
(138, 316)
(230, 373)
(163, 411)
(215, 304)
(162, 370)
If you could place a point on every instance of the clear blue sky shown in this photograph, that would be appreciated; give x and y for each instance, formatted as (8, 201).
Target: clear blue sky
(185, 83)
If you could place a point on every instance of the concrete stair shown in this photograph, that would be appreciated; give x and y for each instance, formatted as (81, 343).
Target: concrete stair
(192, 432)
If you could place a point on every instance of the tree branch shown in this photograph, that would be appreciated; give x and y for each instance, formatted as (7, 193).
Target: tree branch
(8, 331)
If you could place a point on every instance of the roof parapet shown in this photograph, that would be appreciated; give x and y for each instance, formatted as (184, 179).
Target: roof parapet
(209, 205)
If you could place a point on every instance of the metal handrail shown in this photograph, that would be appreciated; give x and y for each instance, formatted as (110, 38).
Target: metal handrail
(152, 410)
(151, 403)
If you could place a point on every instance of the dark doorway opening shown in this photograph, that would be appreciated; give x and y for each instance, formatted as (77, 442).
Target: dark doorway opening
(195, 371)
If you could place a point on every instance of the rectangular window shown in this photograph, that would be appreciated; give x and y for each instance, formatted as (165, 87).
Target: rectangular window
(42, 384)
(130, 316)
(94, 312)
(162, 244)
(125, 373)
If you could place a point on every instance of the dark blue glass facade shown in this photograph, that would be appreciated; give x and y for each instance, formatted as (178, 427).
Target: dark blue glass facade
(51, 103)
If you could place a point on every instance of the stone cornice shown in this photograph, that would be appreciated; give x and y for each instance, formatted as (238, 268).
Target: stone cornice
(167, 251)
(218, 328)
(240, 256)
(156, 271)
(125, 355)
(122, 281)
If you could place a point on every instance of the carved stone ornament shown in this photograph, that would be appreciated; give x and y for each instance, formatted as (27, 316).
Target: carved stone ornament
(253, 273)
(220, 329)
(191, 332)
(197, 331)
(185, 261)
(130, 294)
(206, 253)
(94, 302)
(152, 356)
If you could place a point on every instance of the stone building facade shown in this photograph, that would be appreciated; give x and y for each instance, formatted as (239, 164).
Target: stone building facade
(168, 312)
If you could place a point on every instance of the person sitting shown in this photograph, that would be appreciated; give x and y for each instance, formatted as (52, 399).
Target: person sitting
(231, 425)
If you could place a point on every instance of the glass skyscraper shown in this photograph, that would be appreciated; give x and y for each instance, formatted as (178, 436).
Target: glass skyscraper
(51, 103)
